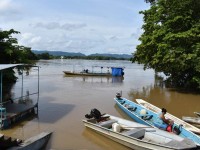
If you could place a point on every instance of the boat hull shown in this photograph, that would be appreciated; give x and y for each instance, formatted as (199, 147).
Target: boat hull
(37, 142)
(134, 143)
(169, 116)
(197, 113)
(86, 74)
(138, 117)
(195, 120)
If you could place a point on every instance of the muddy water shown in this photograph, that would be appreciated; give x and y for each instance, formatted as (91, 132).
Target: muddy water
(63, 101)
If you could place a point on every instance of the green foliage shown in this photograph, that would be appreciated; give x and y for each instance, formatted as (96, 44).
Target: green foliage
(12, 53)
(171, 41)
(45, 56)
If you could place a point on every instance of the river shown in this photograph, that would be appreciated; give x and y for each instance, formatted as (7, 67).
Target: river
(64, 101)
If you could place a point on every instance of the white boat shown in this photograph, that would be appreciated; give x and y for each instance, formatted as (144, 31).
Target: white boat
(169, 116)
(37, 142)
(197, 113)
(195, 120)
(138, 136)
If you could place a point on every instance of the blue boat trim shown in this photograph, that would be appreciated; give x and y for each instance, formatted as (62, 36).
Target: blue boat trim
(126, 104)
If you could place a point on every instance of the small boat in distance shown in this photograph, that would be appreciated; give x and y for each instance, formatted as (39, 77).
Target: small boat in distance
(197, 113)
(145, 116)
(168, 115)
(194, 120)
(116, 71)
(83, 73)
(137, 136)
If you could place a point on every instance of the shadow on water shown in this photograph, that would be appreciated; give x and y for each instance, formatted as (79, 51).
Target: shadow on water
(96, 79)
(54, 111)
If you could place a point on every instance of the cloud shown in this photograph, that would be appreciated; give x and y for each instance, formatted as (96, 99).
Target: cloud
(29, 39)
(66, 26)
(56, 25)
(5, 5)
(35, 39)
(8, 7)
(137, 33)
(114, 38)
(26, 36)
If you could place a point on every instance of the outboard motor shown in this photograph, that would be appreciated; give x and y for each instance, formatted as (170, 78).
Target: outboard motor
(118, 95)
(94, 113)
(177, 130)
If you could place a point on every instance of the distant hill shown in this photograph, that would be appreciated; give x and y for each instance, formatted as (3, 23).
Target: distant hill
(126, 56)
(60, 53)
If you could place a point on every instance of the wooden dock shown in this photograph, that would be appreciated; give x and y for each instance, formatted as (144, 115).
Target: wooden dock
(10, 111)
(16, 112)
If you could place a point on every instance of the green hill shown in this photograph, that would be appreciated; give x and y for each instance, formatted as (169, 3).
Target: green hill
(61, 53)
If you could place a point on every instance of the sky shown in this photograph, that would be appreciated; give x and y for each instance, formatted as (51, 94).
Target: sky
(86, 26)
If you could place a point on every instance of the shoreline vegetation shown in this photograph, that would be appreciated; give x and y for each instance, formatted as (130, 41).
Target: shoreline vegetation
(70, 55)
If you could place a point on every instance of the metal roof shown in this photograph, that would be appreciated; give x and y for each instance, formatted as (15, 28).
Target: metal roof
(6, 66)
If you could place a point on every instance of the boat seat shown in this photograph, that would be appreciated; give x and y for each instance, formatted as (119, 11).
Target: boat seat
(132, 108)
(108, 123)
(122, 102)
(147, 117)
(136, 133)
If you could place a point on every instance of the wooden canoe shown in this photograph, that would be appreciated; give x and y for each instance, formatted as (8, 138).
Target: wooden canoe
(137, 136)
(145, 116)
(69, 73)
(169, 116)
(195, 120)
(37, 142)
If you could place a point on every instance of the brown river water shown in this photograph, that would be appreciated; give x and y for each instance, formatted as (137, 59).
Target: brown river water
(64, 101)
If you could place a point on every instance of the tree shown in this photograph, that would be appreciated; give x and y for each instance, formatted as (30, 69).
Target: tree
(12, 53)
(171, 41)
(45, 56)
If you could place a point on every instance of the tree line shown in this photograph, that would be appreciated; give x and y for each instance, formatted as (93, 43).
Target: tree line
(48, 56)
(170, 42)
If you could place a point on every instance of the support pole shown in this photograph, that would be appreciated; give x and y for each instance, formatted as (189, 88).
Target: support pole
(22, 86)
(38, 86)
(1, 97)
(1, 88)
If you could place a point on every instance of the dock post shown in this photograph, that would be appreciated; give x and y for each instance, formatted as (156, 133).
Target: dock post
(1, 98)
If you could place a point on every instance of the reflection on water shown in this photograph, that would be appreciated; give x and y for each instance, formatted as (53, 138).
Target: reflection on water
(63, 101)
(179, 104)
(96, 79)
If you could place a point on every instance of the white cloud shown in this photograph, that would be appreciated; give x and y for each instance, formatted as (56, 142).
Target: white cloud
(26, 36)
(5, 5)
(29, 39)
(35, 39)
(74, 28)
(8, 7)
(56, 25)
